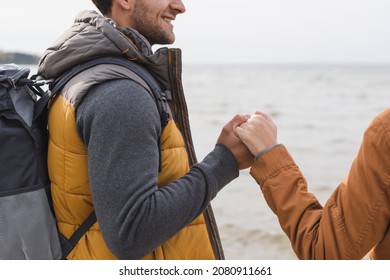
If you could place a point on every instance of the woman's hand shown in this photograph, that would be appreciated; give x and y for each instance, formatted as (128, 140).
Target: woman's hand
(258, 132)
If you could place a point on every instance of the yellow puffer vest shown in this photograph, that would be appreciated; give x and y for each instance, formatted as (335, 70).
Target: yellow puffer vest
(67, 160)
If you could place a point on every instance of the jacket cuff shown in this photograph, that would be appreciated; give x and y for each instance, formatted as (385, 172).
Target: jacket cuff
(265, 151)
(271, 162)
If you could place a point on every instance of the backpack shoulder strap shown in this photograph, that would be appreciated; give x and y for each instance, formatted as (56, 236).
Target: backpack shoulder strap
(160, 96)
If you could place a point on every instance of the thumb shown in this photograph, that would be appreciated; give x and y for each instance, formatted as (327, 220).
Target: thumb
(238, 130)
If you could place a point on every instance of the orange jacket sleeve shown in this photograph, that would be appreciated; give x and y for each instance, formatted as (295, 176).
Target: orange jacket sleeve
(356, 217)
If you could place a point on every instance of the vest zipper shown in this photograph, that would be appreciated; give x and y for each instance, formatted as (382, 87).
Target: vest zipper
(175, 70)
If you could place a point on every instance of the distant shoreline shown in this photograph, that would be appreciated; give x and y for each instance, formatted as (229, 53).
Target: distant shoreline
(18, 58)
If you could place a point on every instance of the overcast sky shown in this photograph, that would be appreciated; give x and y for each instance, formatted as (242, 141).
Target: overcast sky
(233, 31)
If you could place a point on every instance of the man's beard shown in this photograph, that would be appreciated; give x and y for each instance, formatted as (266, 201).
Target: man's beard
(149, 28)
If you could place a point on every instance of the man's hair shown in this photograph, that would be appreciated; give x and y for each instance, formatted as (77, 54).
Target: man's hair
(104, 6)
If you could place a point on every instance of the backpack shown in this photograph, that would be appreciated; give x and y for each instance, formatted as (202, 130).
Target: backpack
(28, 228)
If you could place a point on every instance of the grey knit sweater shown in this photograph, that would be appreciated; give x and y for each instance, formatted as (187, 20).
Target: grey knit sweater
(119, 123)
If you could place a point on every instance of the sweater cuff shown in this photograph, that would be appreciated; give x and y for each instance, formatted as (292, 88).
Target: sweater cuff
(271, 162)
(221, 167)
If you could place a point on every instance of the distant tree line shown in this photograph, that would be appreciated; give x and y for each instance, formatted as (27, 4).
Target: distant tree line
(18, 58)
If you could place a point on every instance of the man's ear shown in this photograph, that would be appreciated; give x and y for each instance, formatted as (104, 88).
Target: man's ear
(124, 4)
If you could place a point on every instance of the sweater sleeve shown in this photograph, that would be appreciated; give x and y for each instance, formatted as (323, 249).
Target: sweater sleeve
(356, 216)
(119, 123)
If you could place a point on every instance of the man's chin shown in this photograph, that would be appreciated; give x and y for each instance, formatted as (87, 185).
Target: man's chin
(167, 40)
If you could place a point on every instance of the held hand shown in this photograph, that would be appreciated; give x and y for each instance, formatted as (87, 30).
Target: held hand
(258, 133)
(234, 144)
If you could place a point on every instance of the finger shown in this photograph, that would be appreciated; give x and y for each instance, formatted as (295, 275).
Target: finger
(259, 113)
(238, 130)
(239, 119)
(264, 115)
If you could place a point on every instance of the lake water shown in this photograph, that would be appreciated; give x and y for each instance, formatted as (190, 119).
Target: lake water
(321, 113)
